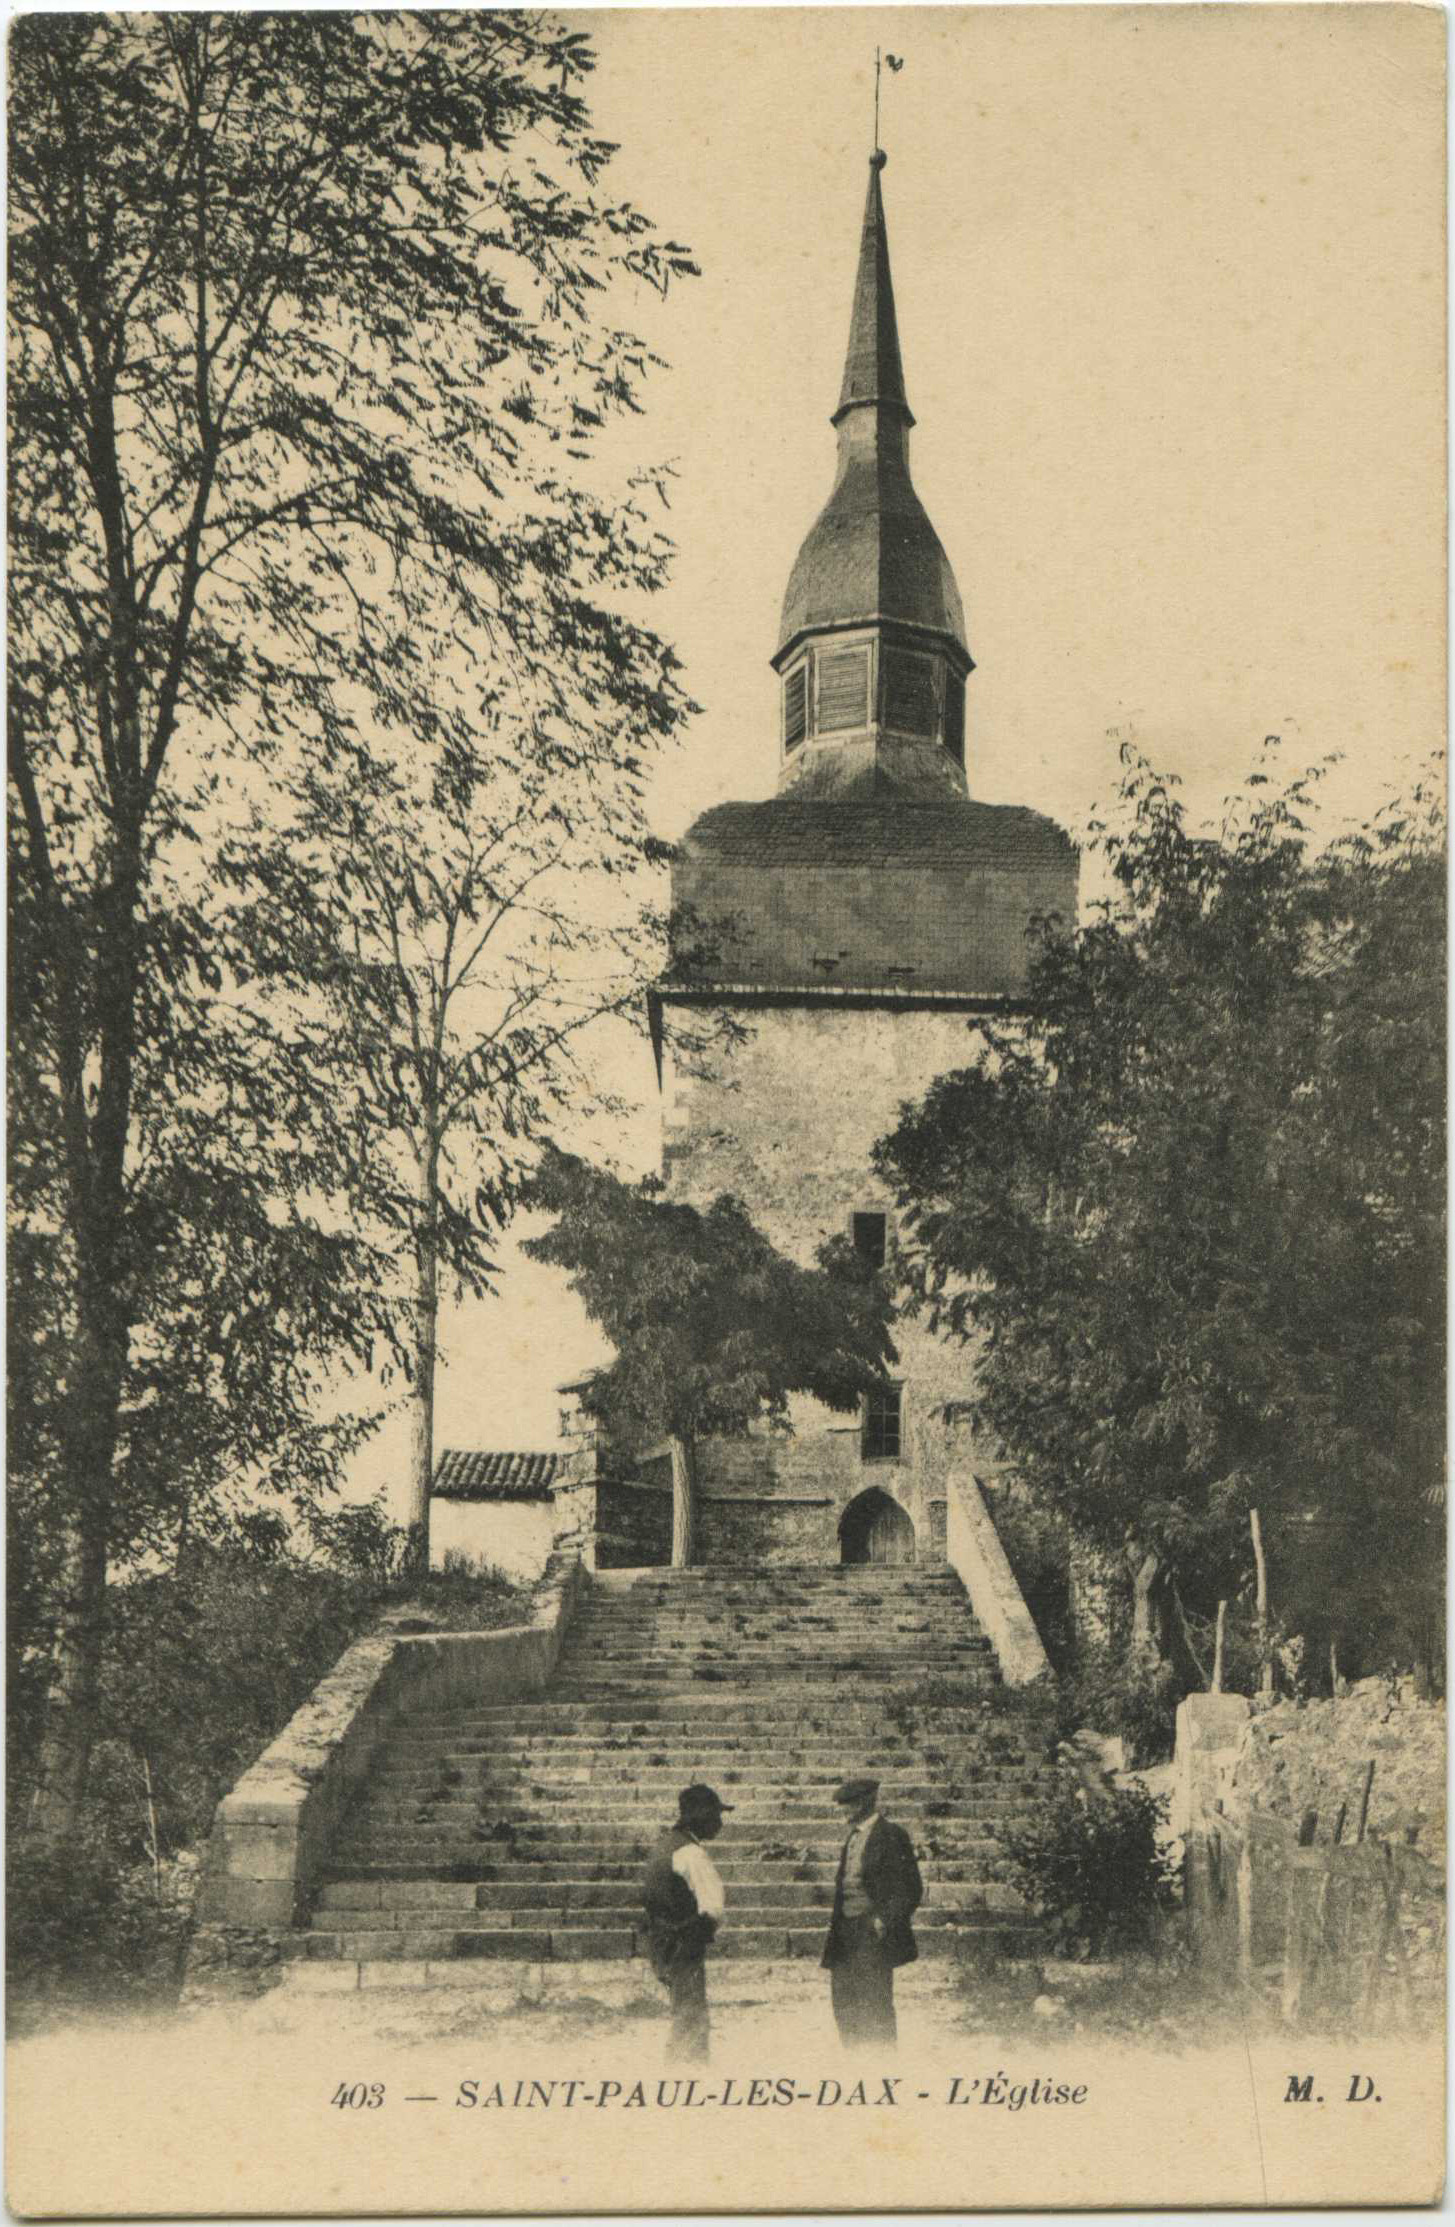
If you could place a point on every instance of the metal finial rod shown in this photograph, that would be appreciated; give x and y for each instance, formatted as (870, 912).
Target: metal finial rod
(875, 148)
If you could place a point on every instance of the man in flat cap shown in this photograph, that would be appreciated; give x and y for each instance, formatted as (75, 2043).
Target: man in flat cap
(683, 1899)
(878, 1891)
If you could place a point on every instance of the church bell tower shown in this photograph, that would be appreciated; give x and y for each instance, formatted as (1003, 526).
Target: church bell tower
(855, 924)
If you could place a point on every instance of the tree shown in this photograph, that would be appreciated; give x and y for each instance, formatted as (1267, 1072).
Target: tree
(1192, 1209)
(713, 1327)
(466, 938)
(312, 346)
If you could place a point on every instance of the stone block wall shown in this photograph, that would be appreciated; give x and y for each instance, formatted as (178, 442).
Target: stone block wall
(928, 926)
(789, 1127)
(272, 1832)
(513, 1536)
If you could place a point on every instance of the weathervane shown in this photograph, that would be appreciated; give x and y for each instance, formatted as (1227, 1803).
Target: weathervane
(896, 62)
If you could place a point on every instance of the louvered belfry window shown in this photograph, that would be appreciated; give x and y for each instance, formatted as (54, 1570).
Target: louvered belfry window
(843, 690)
(909, 692)
(955, 717)
(795, 708)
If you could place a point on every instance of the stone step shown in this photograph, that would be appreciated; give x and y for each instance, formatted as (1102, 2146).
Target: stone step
(437, 1855)
(629, 1720)
(817, 1756)
(529, 1944)
(573, 1894)
(500, 1985)
(968, 1863)
(743, 1796)
(554, 1917)
(567, 1813)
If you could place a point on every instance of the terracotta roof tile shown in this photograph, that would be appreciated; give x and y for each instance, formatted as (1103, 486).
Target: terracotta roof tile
(471, 1473)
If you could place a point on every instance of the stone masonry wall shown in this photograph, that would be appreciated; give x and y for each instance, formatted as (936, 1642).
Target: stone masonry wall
(920, 925)
(789, 1128)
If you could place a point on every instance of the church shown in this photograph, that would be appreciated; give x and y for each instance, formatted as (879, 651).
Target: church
(859, 920)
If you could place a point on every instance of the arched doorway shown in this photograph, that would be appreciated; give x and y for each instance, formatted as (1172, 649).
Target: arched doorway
(875, 1528)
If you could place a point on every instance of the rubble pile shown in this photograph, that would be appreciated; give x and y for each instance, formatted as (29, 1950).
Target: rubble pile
(1303, 1755)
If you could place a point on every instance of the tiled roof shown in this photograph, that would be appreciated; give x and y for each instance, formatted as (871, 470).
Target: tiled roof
(469, 1473)
(782, 831)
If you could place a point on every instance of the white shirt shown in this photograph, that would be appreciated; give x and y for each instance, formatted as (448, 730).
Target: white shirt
(692, 1863)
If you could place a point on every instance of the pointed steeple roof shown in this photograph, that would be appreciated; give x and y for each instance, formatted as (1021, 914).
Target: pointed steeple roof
(873, 371)
(872, 557)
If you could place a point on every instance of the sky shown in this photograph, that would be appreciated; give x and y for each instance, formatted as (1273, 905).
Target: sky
(1170, 295)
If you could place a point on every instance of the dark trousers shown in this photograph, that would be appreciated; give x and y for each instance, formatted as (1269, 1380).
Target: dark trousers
(687, 1991)
(861, 1985)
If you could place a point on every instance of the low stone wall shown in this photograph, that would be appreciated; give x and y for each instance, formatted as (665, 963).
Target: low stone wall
(1302, 1755)
(974, 1551)
(1277, 1879)
(271, 1834)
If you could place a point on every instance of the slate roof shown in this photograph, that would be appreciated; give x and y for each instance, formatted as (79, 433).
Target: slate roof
(873, 371)
(872, 555)
(471, 1473)
(858, 831)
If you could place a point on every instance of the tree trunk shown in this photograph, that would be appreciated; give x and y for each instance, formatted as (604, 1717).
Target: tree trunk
(1146, 1625)
(426, 1339)
(1222, 1630)
(73, 1696)
(684, 1503)
(90, 1424)
(1265, 1654)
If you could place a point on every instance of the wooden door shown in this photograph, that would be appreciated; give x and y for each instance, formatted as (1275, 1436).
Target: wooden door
(876, 1529)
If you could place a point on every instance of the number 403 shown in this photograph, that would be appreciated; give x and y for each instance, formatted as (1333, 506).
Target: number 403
(362, 2096)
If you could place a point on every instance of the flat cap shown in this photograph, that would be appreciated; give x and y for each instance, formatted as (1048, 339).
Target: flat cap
(699, 1797)
(858, 1790)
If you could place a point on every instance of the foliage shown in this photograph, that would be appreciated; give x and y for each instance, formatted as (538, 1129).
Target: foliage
(713, 1327)
(1094, 1869)
(1191, 1210)
(1131, 1695)
(314, 357)
(203, 1667)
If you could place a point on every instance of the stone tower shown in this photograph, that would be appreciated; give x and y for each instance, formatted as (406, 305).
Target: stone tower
(863, 916)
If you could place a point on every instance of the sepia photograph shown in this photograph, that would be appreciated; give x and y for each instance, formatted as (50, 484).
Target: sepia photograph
(726, 1125)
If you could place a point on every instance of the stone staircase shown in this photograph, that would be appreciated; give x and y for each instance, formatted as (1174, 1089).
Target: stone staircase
(518, 1832)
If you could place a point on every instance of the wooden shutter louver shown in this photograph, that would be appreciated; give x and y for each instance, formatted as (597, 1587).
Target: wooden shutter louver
(795, 708)
(843, 690)
(955, 718)
(909, 692)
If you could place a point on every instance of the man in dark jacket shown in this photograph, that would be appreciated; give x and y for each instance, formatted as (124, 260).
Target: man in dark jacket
(682, 1897)
(877, 1893)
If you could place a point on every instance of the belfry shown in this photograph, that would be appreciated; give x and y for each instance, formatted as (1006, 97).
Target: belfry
(858, 921)
(865, 914)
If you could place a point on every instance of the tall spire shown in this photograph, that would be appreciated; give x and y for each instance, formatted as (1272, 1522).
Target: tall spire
(871, 648)
(873, 371)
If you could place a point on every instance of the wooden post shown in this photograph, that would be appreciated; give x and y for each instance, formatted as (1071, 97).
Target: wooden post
(1217, 1671)
(1245, 1909)
(1367, 1783)
(1265, 1658)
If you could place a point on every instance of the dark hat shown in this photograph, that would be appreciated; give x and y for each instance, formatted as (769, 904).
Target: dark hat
(699, 1797)
(857, 1790)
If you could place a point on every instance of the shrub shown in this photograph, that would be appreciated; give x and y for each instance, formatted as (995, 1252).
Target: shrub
(1093, 1868)
(203, 1666)
(1129, 1695)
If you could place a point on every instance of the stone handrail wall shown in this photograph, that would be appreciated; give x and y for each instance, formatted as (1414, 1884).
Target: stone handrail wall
(974, 1551)
(271, 1834)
